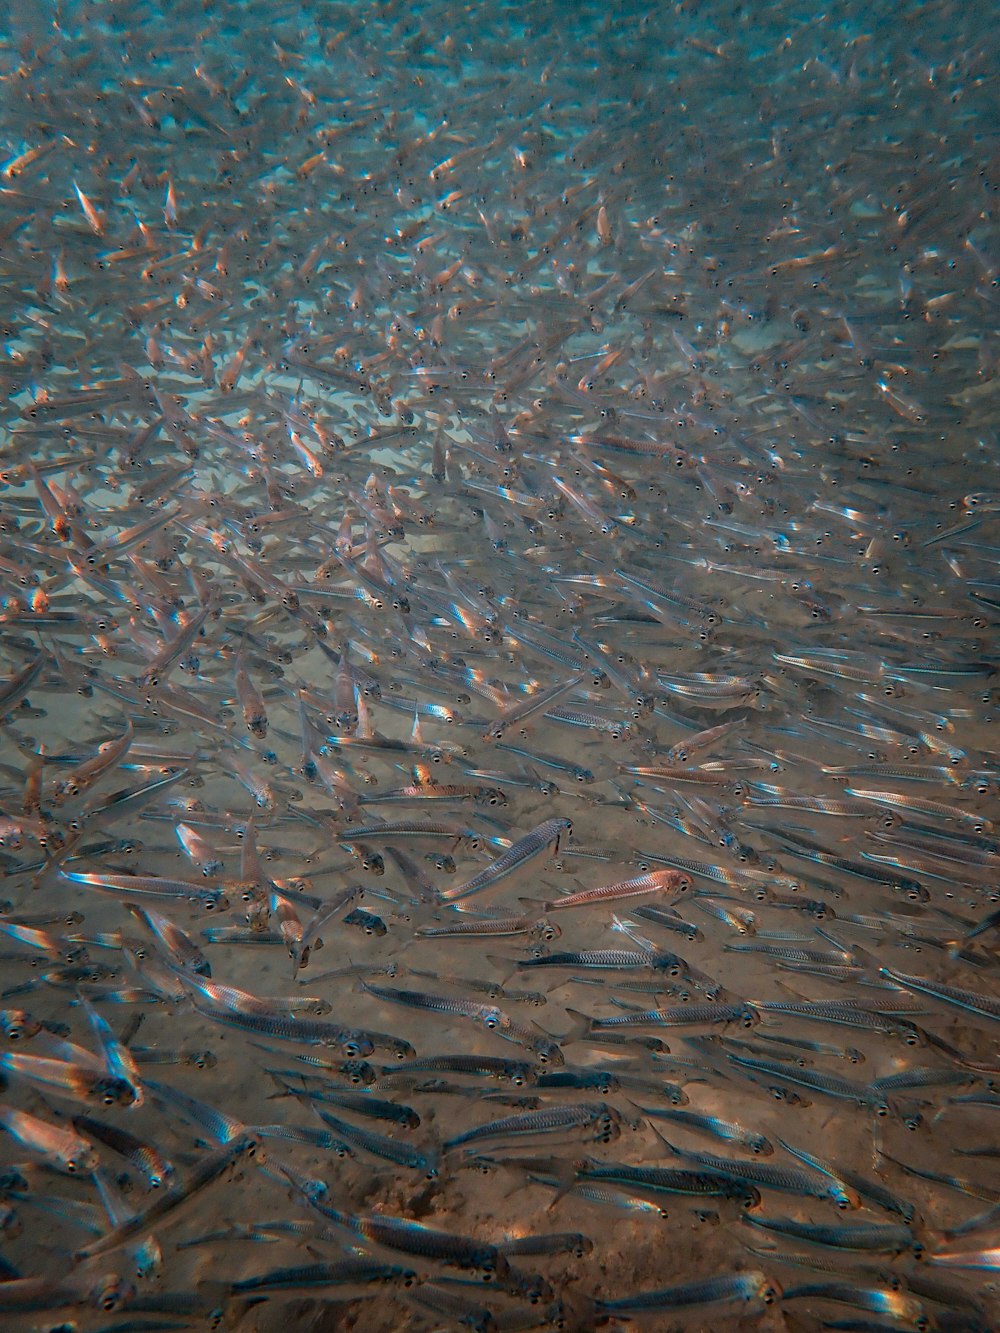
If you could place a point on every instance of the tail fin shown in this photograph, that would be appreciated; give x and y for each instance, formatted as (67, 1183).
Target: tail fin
(581, 1028)
(665, 1141)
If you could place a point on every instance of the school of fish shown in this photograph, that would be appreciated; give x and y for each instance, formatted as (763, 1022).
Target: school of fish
(499, 592)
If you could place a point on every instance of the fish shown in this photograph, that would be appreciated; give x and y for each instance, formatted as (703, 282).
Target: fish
(118, 1061)
(771, 1175)
(679, 1015)
(879, 1300)
(986, 1258)
(656, 881)
(363, 1103)
(149, 886)
(489, 1016)
(384, 1147)
(109, 755)
(490, 926)
(549, 833)
(517, 1072)
(984, 1006)
(612, 959)
(659, 1180)
(61, 1148)
(86, 1081)
(342, 1273)
(289, 1027)
(753, 1292)
(600, 1118)
(209, 1168)
(458, 478)
(878, 1237)
(753, 1140)
(182, 949)
(144, 1156)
